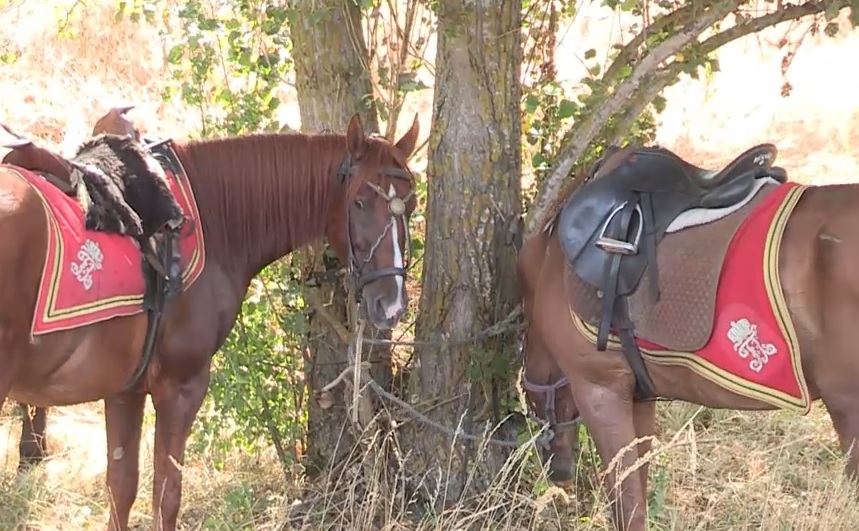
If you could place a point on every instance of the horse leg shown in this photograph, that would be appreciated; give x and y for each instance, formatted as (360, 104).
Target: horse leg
(32, 448)
(176, 407)
(608, 414)
(644, 419)
(123, 415)
(841, 404)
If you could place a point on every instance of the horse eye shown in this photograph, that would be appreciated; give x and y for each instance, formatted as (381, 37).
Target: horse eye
(359, 204)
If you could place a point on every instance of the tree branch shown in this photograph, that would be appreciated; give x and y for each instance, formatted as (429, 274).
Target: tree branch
(577, 140)
(630, 50)
(754, 25)
(671, 74)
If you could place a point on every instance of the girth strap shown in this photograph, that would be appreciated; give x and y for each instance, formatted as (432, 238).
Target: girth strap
(167, 279)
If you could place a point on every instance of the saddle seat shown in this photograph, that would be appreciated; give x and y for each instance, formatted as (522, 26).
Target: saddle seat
(610, 227)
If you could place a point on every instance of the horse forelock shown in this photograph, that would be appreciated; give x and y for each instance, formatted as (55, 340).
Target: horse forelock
(381, 154)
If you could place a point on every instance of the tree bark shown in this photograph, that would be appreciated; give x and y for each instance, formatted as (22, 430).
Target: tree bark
(332, 85)
(474, 201)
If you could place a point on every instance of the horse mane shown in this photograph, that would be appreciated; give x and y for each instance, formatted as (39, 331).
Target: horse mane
(283, 175)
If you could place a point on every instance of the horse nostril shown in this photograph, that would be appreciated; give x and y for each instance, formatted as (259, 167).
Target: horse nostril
(379, 306)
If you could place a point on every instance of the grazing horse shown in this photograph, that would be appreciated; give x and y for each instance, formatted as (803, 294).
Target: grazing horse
(251, 200)
(655, 278)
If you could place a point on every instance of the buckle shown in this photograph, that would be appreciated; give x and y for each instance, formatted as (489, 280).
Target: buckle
(615, 246)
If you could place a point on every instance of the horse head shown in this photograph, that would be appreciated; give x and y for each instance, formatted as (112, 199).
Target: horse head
(368, 227)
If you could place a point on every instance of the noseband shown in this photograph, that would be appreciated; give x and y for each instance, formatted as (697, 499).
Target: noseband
(396, 209)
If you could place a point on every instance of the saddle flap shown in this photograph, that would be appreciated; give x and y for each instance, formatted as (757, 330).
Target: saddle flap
(581, 221)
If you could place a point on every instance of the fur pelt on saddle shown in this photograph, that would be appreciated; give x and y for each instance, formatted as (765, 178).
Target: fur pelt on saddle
(121, 188)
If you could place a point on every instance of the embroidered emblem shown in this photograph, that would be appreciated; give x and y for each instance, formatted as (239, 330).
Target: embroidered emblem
(744, 336)
(90, 259)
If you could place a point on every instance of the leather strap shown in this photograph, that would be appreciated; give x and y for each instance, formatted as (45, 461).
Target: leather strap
(611, 276)
(615, 309)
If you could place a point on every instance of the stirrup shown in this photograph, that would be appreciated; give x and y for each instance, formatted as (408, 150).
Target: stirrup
(615, 246)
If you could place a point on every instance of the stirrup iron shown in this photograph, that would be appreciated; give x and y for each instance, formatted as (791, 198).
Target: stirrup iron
(615, 246)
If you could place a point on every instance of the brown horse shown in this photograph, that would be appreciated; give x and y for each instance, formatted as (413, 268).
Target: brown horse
(814, 262)
(259, 198)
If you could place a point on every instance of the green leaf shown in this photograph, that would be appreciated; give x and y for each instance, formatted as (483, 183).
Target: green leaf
(715, 66)
(318, 15)
(832, 11)
(417, 245)
(175, 55)
(408, 82)
(628, 5)
(539, 161)
(590, 54)
(532, 102)
(120, 11)
(566, 109)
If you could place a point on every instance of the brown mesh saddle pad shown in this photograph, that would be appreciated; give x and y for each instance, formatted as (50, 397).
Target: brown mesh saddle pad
(689, 265)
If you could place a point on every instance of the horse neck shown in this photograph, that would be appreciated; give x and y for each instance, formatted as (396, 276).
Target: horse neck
(261, 197)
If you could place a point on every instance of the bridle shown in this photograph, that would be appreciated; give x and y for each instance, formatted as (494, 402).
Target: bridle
(397, 207)
(549, 391)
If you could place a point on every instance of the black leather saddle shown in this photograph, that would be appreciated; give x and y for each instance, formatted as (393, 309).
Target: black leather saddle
(611, 225)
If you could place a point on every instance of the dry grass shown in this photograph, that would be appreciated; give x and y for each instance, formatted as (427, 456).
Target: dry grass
(725, 470)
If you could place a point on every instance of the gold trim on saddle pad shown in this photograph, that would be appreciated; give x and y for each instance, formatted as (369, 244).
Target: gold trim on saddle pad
(48, 317)
(778, 305)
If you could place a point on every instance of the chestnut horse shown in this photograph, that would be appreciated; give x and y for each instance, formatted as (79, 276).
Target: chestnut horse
(817, 261)
(259, 197)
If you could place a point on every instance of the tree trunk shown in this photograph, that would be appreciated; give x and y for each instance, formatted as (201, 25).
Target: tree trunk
(332, 85)
(474, 202)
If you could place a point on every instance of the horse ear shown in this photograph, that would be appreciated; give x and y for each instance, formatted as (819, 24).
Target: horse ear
(122, 109)
(407, 143)
(356, 142)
